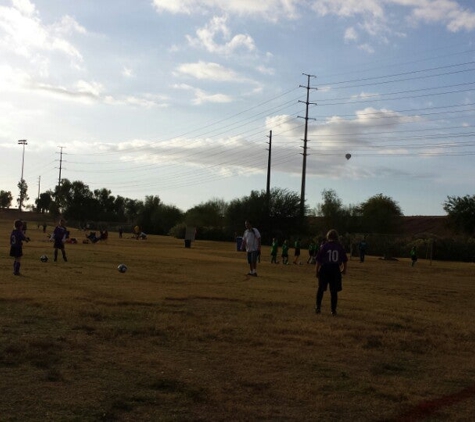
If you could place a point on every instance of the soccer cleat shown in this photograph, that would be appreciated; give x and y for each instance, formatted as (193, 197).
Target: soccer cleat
(317, 310)
(333, 313)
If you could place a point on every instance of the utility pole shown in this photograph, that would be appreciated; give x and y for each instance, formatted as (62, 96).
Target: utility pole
(22, 142)
(39, 187)
(268, 174)
(268, 166)
(305, 140)
(60, 165)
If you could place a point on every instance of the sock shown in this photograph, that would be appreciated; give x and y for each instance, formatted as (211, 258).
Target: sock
(319, 298)
(334, 301)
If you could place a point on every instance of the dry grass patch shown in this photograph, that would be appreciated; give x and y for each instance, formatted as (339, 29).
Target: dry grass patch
(184, 335)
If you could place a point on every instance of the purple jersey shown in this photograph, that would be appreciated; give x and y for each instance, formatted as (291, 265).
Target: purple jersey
(59, 236)
(331, 255)
(16, 241)
(16, 238)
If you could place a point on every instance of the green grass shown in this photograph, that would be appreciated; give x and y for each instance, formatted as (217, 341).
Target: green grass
(184, 335)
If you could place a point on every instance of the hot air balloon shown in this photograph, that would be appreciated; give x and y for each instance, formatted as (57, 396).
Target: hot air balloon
(348, 156)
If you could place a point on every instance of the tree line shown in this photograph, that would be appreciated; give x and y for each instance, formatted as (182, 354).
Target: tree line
(276, 214)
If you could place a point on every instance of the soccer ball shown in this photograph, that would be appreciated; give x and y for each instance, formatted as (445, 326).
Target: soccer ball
(43, 258)
(122, 268)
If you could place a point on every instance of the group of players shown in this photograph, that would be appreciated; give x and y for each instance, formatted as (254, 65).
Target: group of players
(330, 258)
(18, 236)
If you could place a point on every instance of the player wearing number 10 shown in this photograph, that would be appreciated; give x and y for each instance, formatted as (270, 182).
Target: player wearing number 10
(330, 258)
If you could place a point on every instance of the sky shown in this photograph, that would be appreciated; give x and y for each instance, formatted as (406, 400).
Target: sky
(190, 100)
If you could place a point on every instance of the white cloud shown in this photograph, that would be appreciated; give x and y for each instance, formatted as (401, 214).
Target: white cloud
(351, 34)
(94, 89)
(265, 70)
(127, 72)
(24, 6)
(448, 12)
(364, 95)
(217, 28)
(12, 79)
(373, 13)
(366, 47)
(209, 71)
(339, 135)
(202, 97)
(350, 8)
(147, 101)
(285, 125)
(185, 87)
(269, 9)
(378, 18)
(25, 35)
(68, 25)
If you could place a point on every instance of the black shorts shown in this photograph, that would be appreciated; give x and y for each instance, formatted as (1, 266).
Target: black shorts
(58, 244)
(16, 251)
(330, 278)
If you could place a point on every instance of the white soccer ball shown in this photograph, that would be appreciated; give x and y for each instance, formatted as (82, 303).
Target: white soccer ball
(43, 258)
(122, 268)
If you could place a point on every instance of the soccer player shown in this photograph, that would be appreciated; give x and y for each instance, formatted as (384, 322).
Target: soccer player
(362, 246)
(251, 243)
(60, 234)
(413, 256)
(311, 252)
(285, 253)
(273, 251)
(330, 259)
(16, 245)
(297, 251)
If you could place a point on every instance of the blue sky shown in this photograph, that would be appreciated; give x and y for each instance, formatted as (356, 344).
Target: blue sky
(177, 98)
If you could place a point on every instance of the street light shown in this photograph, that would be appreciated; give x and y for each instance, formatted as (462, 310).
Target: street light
(22, 142)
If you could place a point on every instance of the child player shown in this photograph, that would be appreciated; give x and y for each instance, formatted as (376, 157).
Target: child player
(16, 245)
(330, 258)
(273, 251)
(60, 234)
(285, 253)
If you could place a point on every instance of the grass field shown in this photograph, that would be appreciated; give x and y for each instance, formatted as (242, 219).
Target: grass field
(185, 335)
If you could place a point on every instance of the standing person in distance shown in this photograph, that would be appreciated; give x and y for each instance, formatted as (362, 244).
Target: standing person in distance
(285, 253)
(330, 258)
(311, 252)
(413, 256)
(251, 243)
(273, 251)
(362, 246)
(60, 234)
(297, 251)
(16, 245)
